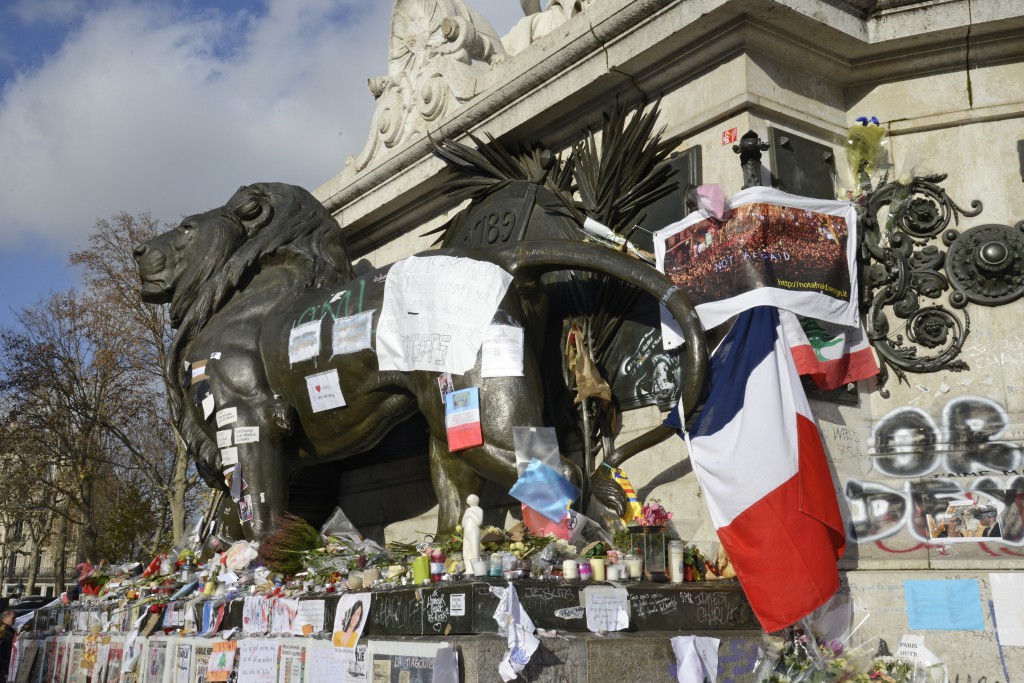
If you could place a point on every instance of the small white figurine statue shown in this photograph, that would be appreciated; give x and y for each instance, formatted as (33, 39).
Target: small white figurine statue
(472, 518)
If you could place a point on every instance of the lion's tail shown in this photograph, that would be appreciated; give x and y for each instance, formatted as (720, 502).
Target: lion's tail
(542, 256)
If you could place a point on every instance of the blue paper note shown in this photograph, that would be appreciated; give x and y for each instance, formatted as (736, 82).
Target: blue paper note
(944, 605)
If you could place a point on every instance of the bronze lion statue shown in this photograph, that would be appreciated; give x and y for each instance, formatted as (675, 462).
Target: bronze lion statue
(240, 277)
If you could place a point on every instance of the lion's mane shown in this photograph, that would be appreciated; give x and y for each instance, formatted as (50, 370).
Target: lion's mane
(278, 224)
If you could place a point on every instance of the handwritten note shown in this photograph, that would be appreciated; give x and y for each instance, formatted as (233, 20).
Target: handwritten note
(324, 389)
(310, 612)
(436, 312)
(247, 434)
(229, 456)
(257, 661)
(227, 416)
(324, 661)
(607, 608)
(944, 605)
(223, 438)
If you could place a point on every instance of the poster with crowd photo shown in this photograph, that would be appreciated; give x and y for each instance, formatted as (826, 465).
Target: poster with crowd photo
(772, 249)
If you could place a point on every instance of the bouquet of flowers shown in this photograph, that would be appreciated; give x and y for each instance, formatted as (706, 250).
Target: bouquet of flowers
(653, 514)
(799, 658)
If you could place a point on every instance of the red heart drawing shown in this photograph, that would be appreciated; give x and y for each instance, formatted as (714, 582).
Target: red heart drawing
(318, 387)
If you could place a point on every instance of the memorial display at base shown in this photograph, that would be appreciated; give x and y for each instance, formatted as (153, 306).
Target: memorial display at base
(284, 357)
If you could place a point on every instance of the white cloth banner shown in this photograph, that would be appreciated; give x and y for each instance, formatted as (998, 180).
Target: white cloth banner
(436, 312)
(773, 249)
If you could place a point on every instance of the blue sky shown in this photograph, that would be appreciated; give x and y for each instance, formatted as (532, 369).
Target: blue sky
(167, 107)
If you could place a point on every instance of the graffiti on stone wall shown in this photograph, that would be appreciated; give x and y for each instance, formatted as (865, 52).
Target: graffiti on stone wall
(964, 479)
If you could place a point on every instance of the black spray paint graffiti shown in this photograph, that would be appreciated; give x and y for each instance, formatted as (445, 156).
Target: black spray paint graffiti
(908, 443)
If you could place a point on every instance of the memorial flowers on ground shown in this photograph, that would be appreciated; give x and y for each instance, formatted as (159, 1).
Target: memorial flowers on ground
(799, 657)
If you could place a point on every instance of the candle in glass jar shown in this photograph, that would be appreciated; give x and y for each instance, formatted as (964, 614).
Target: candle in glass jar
(612, 572)
(495, 568)
(597, 568)
(635, 566)
(570, 569)
(584, 568)
(675, 561)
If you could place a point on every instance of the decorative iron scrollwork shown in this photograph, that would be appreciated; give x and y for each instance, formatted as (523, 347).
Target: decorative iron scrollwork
(901, 267)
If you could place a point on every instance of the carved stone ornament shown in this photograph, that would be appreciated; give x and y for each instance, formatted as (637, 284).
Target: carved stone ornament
(438, 50)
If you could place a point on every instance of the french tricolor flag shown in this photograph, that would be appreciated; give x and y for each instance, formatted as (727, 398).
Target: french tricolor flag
(761, 465)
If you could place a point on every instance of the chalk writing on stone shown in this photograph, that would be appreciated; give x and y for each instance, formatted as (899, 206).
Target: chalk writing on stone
(437, 610)
(643, 604)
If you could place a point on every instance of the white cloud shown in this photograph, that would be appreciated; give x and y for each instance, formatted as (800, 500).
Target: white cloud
(145, 109)
(48, 11)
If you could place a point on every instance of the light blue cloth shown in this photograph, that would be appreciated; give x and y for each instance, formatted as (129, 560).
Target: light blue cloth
(545, 490)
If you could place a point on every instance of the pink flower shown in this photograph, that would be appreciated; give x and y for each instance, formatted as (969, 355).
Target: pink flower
(653, 514)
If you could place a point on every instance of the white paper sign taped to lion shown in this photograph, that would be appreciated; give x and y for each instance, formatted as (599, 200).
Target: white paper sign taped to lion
(352, 333)
(324, 390)
(304, 342)
(436, 312)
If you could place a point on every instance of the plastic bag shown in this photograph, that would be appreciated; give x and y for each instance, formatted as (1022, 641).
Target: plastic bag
(338, 526)
(866, 156)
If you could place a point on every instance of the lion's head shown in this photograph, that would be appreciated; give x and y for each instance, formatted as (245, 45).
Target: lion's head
(197, 266)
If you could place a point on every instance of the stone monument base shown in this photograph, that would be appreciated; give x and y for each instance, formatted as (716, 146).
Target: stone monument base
(593, 658)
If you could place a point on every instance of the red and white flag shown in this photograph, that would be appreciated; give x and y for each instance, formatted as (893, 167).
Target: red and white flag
(760, 462)
(832, 355)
